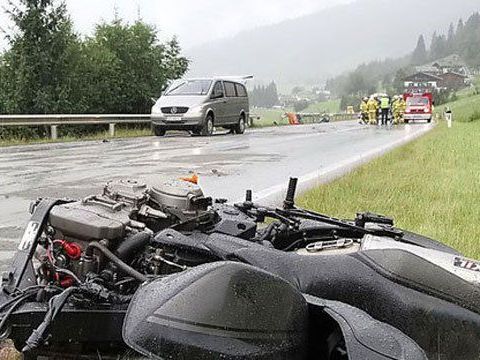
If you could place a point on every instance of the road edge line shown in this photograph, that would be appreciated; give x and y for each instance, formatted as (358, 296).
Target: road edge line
(274, 195)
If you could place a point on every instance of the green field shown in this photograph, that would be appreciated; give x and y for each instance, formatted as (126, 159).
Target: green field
(269, 117)
(430, 186)
(330, 106)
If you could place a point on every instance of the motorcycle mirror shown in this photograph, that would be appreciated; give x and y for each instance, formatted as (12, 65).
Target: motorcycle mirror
(220, 310)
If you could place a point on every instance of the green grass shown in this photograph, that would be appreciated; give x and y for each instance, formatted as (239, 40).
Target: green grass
(330, 106)
(465, 109)
(268, 117)
(119, 133)
(430, 186)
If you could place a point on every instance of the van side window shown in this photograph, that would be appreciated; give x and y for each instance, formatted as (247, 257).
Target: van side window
(218, 90)
(230, 89)
(241, 91)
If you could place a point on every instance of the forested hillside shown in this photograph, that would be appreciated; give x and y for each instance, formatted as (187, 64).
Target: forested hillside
(310, 49)
(462, 38)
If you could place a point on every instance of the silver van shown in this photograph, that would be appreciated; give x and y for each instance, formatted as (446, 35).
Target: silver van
(199, 105)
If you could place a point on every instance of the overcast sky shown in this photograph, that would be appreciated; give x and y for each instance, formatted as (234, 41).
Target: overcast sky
(193, 21)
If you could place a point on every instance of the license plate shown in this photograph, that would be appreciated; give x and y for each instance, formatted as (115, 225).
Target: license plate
(173, 118)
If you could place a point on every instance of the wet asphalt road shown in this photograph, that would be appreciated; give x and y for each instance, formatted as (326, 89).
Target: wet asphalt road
(260, 160)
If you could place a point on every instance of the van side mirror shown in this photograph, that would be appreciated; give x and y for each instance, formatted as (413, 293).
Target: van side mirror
(219, 310)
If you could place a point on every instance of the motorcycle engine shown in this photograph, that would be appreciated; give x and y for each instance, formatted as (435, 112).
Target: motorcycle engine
(123, 219)
(127, 207)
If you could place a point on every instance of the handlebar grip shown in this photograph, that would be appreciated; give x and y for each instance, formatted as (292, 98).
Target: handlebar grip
(289, 202)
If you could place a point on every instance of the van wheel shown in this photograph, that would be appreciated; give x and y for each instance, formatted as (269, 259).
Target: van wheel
(240, 127)
(207, 129)
(159, 131)
(429, 120)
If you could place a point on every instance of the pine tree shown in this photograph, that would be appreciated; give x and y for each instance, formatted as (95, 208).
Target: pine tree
(470, 39)
(451, 39)
(438, 48)
(419, 55)
(460, 26)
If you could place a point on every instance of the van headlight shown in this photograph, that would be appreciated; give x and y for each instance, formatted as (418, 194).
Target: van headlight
(196, 110)
(156, 109)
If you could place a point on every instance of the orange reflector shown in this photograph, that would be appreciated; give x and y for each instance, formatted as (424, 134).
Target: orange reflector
(192, 179)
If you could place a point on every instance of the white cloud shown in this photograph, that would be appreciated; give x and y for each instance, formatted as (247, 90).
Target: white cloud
(194, 21)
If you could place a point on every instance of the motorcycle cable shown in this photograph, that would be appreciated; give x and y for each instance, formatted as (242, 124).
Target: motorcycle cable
(16, 302)
(55, 306)
(116, 260)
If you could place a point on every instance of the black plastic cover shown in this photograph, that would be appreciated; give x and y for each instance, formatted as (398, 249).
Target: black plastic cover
(234, 223)
(219, 310)
(365, 337)
(441, 317)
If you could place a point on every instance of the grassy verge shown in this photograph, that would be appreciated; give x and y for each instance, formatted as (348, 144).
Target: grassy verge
(119, 133)
(430, 186)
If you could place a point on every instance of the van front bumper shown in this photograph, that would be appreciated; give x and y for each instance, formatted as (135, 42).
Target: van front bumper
(177, 122)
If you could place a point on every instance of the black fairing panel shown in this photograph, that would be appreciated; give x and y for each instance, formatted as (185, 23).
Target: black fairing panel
(444, 329)
(413, 271)
(365, 337)
(218, 310)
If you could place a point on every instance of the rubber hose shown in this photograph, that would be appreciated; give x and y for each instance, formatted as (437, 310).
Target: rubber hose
(131, 246)
(114, 259)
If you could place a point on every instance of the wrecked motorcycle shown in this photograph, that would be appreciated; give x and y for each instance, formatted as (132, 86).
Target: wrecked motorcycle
(172, 274)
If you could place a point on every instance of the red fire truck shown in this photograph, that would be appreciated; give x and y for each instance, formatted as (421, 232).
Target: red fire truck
(419, 106)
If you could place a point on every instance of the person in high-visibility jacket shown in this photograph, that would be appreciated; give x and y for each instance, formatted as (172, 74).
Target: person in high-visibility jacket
(396, 109)
(385, 107)
(402, 107)
(364, 110)
(372, 108)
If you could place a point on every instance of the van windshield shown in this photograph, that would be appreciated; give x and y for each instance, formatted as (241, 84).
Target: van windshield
(190, 87)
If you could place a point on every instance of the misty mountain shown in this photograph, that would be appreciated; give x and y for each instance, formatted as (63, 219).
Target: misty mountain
(315, 47)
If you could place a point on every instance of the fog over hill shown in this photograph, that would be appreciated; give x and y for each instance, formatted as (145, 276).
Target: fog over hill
(312, 48)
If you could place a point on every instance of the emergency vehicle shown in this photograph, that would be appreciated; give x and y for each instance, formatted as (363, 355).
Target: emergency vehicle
(419, 106)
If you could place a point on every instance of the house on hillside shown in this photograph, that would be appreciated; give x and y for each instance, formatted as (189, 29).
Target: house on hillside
(423, 82)
(450, 64)
(453, 81)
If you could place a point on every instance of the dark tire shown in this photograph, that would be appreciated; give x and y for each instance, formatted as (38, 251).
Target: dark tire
(241, 126)
(207, 129)
(429, 120)
(406, 121)
(159, 131)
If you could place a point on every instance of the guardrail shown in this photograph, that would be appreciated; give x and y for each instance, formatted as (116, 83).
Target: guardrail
(55, 120)
(111, 120)
(333, 117)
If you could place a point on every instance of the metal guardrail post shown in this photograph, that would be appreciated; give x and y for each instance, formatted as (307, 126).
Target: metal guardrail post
(111, 129)
(53, 132)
